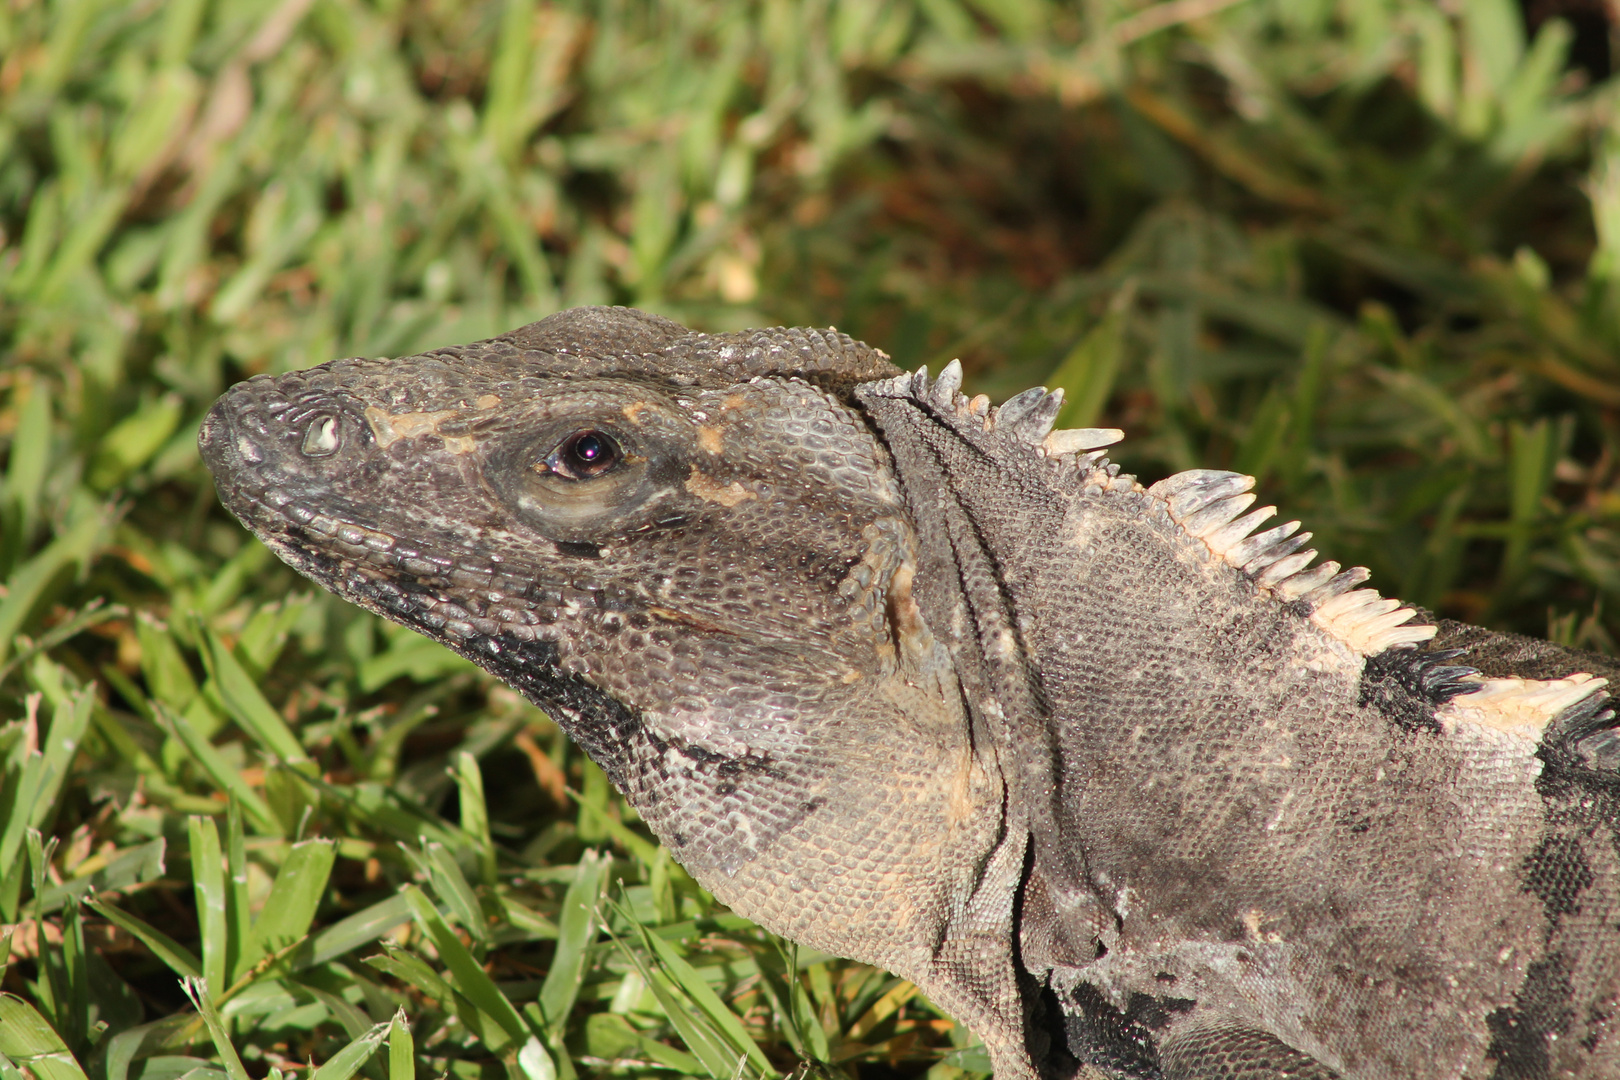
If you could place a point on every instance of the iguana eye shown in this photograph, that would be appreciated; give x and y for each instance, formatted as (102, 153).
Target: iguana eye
(581, 475)
(583, 456)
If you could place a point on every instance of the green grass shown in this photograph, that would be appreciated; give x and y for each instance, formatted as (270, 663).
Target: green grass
(1367, 251)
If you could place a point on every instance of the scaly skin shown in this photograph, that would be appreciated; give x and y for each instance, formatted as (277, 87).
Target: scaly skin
(896, 678)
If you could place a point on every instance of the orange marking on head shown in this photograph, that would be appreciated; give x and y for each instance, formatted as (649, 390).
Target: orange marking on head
(388, 428)
(710, 490)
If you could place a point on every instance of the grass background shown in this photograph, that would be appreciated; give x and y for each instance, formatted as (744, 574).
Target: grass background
(1367, 250)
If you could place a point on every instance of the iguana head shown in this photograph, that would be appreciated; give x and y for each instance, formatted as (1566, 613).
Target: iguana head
(616, 514)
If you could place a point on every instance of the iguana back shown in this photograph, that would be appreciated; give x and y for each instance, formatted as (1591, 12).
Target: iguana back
(1115, 776)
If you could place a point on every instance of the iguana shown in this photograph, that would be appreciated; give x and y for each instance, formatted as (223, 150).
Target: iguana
(1112, 773)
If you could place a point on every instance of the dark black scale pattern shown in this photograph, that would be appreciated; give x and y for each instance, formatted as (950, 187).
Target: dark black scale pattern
(1121, 1042)
(1407, 685)
(1558, 873)
(1519, 1034)
(1239, 1054)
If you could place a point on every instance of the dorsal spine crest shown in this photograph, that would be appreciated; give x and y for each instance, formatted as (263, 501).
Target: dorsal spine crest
(1209, 504)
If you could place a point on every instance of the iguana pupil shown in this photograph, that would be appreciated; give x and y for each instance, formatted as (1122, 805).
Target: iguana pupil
(583, 455)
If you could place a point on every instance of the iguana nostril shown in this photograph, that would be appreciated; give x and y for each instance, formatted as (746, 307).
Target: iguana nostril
(321, 437)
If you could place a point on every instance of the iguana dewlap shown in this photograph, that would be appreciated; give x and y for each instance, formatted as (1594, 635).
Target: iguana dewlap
(1113, 774)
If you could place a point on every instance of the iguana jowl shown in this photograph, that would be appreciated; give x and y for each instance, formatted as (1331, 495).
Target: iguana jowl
(1112, 773)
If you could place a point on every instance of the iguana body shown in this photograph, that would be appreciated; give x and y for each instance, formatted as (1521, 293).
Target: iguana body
(1114, 777)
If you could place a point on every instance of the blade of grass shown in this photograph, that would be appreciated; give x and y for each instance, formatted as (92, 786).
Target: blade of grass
(25, 1037)
(605, 825)
(208, 882)
(92, 614)
(290, 908)
(469, 975)
(30, 456)
(181, 960)
(576, 930)
(197, 991)
(25, 586)
(711, 1030)
(481, 991)
(52, 988)
(347, 1061)
(133, 440)
(168, 676)
(401, 1049)
(695, 986)
(1088, 373)
(218, 769)
(535, 1062)
(350, 933)
(237, 916)
(411, 969)
(74, 1020)
(243, 701)
(127, 1047)
(719, 1059)
(1531, 457)
(475, 813)
(70, 717)
(439, 866)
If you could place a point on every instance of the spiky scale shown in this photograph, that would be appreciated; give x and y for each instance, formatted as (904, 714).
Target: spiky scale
(948, 385)
(919, 383)
(1277, 549)
(1176, 483)
(1189, 498)
(1338, 585)
(1217, 514)
(1015, 408)
(1223, 540)
(1076, 440)
(1307, 581)
(1035, 424)
(1276, 572)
